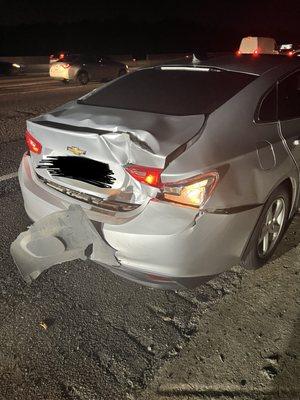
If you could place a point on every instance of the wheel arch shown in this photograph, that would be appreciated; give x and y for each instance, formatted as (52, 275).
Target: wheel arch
(293, 190)
(291, 185)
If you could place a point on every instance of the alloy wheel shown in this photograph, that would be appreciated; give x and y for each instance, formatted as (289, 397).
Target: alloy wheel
(272, 227)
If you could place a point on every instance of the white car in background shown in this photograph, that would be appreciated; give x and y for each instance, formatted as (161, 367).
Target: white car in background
(257, 45)
(83, 68)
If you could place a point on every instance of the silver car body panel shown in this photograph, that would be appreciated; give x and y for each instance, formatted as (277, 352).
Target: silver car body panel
(159, 237)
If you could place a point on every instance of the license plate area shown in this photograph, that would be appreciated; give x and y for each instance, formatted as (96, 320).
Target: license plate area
(79, 168)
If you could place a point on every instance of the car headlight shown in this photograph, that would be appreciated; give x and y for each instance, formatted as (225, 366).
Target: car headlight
(16, 66)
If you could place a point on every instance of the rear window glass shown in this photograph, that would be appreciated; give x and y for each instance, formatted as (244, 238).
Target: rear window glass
(171, 92)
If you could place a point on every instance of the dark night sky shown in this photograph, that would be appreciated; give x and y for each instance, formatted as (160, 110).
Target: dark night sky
(226, 12)
(142, 22)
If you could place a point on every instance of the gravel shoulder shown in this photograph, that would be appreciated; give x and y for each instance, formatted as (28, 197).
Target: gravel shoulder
(248, 345)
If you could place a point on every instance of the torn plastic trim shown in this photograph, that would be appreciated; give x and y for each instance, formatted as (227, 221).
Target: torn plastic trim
(61, 236)
(104, 204)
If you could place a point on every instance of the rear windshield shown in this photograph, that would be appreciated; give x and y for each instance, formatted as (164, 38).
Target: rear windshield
(169, 91)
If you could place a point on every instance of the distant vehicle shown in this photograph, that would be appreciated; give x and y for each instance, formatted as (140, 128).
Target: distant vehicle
(257, 45)
(57, 57)
(289, 49)
(85, 68)
(8, 68)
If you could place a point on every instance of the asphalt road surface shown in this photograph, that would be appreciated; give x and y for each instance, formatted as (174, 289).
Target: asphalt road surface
(79, 332)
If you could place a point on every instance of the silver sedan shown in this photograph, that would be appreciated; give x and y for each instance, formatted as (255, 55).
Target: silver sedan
(169, 175)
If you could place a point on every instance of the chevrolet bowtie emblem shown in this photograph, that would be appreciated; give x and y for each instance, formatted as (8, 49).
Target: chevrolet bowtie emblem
(76, 150)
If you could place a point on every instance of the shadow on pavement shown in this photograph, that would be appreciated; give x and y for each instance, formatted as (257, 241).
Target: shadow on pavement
(285, 369)
(291, 238)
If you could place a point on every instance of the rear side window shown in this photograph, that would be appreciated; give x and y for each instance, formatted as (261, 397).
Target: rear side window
(289, 97)
(171, 91)
(268, 108)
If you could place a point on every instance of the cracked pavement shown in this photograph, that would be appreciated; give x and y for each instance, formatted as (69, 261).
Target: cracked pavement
(81, 333)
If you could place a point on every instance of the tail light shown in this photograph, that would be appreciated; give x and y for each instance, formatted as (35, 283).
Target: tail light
(238, 53)
(147, 175)
(192, 192)
(66, 66)
(256, 52)
(32, 143)
(290, 53)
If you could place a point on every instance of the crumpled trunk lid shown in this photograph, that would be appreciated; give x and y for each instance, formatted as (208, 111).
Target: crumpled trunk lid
(96, 141)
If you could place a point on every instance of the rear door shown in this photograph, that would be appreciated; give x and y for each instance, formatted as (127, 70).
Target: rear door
(289, 112)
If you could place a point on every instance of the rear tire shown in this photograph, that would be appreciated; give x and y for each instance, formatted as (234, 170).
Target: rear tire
(83, 78)
(269, 229)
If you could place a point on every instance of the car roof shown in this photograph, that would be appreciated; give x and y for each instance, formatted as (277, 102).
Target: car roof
(244, 63)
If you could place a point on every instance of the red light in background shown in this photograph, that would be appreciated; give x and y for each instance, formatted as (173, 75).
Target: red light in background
(147, 175)
(290, 53)
(61, 56)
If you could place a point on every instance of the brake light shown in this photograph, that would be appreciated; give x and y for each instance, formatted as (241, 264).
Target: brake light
(192, 192)
(32, 143)
(238, 53)
(290, 53)
(256, 52)
(66, 66)
(147, 175)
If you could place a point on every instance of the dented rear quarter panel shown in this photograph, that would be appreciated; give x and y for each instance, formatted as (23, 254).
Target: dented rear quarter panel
(228, 144)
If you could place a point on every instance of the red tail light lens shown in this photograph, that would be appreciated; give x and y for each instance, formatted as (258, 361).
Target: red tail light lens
(290, 53)
(32, 143)
(256, 52)
(147, 175)
(192, 192)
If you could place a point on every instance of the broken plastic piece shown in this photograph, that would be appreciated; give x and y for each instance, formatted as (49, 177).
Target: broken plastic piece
(59, 237)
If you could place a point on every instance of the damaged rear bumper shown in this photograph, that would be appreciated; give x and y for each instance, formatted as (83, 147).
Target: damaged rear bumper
(58, 237)
(163, 245)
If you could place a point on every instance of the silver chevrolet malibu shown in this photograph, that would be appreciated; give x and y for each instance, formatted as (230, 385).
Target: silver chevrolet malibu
(169, 175)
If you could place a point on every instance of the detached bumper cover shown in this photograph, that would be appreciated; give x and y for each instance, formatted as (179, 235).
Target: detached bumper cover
(59, 237)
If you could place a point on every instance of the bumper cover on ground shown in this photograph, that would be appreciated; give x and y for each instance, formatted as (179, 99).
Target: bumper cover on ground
(59, 237)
